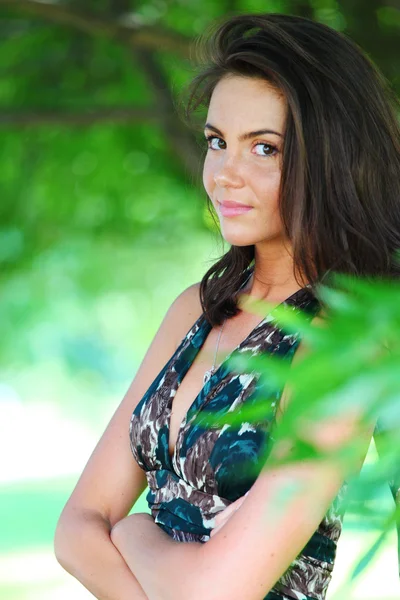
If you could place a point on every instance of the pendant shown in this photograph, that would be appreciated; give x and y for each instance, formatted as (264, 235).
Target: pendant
(208, 375)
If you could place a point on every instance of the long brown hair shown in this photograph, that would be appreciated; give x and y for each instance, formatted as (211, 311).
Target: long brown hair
(340, 183)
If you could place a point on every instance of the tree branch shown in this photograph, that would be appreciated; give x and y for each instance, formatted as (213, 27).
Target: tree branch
(92, 116)
(140, 36)
(144, 42)
(177, 135)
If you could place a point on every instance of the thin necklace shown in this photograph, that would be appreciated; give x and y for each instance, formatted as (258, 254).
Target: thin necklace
(210, 372)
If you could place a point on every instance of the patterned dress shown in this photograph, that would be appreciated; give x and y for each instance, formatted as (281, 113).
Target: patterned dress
(213, 466)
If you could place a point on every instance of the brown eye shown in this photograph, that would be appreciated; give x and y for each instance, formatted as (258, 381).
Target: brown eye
(210, 138)
(273, 149)
(272, 152)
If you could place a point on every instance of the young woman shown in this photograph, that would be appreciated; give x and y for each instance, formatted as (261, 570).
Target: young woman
(303, 171)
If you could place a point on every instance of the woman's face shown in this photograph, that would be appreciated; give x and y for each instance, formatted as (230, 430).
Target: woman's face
(245, 169)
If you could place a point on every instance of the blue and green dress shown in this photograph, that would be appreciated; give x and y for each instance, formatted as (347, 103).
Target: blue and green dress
(213, 466)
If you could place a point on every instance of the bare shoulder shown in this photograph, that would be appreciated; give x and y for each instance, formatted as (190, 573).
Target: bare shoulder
(112, 481)
(185, 311)
(301, 351)
(329, 432)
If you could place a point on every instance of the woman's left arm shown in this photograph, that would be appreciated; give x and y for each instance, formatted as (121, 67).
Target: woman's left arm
(153, 556)
(144, 545)
(248, 555)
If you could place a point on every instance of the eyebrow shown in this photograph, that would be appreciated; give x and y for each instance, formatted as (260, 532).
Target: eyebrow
(243, 136)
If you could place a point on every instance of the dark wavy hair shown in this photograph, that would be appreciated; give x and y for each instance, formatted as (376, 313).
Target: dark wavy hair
(339, 195)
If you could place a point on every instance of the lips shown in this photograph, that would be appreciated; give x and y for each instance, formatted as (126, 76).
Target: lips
(231, 204)
(232, 209)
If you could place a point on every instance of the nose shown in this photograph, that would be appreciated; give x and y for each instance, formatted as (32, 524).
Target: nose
(228, 174)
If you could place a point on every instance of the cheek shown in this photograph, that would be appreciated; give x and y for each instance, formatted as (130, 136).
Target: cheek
(262, 181)
(251, 172)
(266, 177)
(265, 187)
(208, 176)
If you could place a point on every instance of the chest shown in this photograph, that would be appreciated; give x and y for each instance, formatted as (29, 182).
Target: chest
(234, 333)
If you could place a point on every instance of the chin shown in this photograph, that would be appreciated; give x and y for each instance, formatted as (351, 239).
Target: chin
(246, 238)
(238, 239)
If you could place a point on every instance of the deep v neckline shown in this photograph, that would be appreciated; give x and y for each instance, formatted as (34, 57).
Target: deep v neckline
(190, 352)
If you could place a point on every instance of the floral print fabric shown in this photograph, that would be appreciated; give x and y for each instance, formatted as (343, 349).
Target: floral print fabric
(213, 466)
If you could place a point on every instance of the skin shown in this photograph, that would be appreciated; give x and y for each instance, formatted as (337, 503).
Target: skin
(249, 171)
(246, 171)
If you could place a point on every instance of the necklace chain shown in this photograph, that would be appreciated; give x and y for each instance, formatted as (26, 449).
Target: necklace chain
(210, 372)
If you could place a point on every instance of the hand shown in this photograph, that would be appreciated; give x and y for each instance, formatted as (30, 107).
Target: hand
(223, 516)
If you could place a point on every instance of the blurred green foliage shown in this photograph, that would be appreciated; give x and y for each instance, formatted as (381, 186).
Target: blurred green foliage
(101, 181)
(94, 154)
(95, 162)
(352, 367)
(92, 145)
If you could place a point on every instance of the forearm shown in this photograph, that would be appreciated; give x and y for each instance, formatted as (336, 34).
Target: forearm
(156, 560)
(83, 548)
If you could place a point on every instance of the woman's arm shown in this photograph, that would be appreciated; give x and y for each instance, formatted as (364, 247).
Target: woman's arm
(112, 480)
(261, 539)
(144, 546)
(249, 554)
(86, 551)
(150, 553)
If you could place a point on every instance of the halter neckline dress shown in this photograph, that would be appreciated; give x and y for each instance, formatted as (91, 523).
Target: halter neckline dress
(211, 467)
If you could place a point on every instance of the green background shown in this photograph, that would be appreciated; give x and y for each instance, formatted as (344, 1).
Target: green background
(103, 223)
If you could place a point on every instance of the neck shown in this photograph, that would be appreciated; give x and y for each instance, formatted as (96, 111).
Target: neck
(273, 274)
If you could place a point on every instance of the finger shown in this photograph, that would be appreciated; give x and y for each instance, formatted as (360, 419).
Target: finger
(229, 510)
(234, 505)
(223, 514)
(214, 531)
(224, 517)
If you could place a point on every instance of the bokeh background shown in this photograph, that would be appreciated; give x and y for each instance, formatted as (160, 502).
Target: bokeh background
(103, 223)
